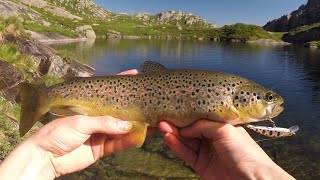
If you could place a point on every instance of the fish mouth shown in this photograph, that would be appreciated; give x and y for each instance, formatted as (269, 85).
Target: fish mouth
(274, 110)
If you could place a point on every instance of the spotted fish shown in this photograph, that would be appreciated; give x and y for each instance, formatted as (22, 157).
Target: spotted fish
(156, 93)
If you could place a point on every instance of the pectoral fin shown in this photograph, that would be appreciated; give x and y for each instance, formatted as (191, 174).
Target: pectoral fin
(138, 132)
(69, 110)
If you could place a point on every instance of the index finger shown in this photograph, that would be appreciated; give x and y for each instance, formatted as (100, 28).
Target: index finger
(209, 129)
(129, 72)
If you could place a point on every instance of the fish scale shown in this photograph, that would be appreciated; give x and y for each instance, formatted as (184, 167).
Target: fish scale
(178, 96)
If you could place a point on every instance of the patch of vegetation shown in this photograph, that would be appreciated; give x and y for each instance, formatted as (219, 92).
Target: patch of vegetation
(246, 32)
(304, 29)
(66, 54)
(313, 43)
(10, 135)
(4, 23)
(59, 25)
(51, 80)
(10, 53)
(50, 30)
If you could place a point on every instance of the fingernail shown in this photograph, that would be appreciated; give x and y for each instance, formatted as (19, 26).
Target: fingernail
(124, 125)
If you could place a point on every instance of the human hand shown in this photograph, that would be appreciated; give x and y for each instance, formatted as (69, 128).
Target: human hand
(73, 143)
(221, 151)
(66, 145)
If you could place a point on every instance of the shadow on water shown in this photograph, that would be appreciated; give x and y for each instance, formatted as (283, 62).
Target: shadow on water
(292, 71)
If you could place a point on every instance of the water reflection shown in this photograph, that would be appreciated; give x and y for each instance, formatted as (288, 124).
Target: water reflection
(294, 72)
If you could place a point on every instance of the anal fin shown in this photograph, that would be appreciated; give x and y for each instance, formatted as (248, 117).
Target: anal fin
(138, 132)
(68, 110)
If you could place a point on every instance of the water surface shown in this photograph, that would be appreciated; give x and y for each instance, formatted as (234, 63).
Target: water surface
(292, 71)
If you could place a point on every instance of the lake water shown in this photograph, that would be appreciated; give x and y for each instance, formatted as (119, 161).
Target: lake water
(292, 71)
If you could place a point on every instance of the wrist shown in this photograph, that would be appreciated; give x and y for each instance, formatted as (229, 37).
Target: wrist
(269, 171)
(27, 161)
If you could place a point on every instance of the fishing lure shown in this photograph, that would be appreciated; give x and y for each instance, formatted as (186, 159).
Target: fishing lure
(274, 131)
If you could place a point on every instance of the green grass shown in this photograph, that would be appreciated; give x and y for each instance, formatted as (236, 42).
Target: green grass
(10, 53)
(66, 54)
(59, 25)
(303, 29)
(4, 23)
(314, 43)
(246, 32)
(51, 30)
(51, 80)
(12, 137)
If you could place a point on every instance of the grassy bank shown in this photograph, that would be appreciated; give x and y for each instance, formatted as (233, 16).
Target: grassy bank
(9, 135)
(247, 32)
(313, 44)
(304, 29)
(10, 53)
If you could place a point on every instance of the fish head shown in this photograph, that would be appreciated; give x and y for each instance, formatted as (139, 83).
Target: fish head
(254, 102)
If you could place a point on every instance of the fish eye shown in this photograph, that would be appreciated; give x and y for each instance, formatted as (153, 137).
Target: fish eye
(269, 96)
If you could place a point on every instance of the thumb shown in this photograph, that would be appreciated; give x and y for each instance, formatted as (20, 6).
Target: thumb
(102, 124)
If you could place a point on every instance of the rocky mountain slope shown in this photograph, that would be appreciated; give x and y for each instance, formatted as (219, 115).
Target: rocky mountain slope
(64, 17)
(306, 15)
(174, 17)
(302, 25)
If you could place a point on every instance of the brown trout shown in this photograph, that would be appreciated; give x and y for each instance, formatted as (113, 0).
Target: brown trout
(156, 93)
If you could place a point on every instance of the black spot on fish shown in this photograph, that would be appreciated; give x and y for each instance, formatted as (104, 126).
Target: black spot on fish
(263, 131)
(278, 134)
(270, 133)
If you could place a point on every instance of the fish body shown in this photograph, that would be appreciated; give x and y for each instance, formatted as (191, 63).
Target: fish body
(274, 131)
(178, 96)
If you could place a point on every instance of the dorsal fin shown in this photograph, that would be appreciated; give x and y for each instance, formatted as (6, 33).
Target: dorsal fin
(151, 66)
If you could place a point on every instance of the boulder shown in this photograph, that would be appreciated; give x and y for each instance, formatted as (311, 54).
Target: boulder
(46, 59)
(143, 16)
(9, 8)
(87, 31)
(10, 78)
(113, 35)
(53, 9)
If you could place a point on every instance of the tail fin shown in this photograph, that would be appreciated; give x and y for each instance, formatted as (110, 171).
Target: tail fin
(33, 106)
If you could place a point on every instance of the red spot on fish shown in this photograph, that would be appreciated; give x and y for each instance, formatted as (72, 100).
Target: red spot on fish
(155, 100)
(105, 83)
(110, 92)
(202, 93)
(193, 104)
(125, 104)
(190, 88)
(88, 93)
(178, 94)
(76, 91)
